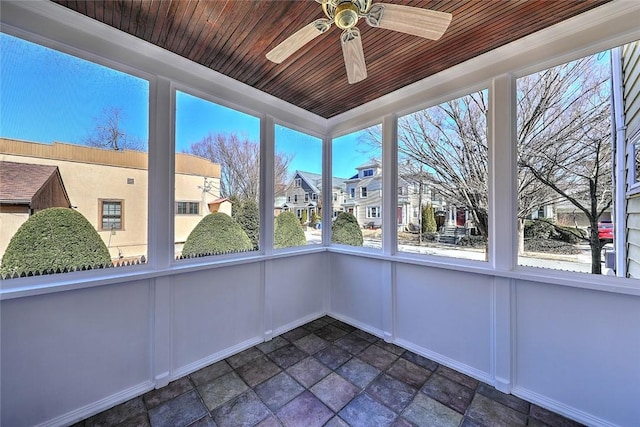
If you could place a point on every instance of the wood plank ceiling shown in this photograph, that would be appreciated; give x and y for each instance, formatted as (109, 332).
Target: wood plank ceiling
(233, 36)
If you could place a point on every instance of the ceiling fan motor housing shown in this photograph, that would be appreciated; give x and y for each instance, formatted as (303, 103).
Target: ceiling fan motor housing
(346, 15)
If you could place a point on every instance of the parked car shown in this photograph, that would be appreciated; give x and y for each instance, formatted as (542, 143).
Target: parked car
(605, 230)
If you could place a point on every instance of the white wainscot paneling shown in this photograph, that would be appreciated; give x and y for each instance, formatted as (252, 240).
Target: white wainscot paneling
(578, 352)
(295, 290)
(216, 312)
(357, 290)
(446, 315)
(67, 355)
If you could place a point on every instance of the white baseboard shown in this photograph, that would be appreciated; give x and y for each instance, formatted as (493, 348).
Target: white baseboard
(296, 323)
(447, 361)
(357, 324)
(503, 385)
(560, 408)
(98, 406)
(215, 357)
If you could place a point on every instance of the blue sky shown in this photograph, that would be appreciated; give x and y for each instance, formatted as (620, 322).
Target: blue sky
(49, 96)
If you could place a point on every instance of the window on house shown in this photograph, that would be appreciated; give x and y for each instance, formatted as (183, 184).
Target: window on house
(353, 154)
(298, 157)
(217, 158)
(187, 208)
(565, 166)
(111, 215)
(373, 212)
(445, 147)
(335, 197)
(57, 111)
(288, 198)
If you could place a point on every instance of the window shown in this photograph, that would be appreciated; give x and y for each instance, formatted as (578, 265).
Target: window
(565, 165)
(373, 212)
(187, 208)
(298, 170)
(217, 159)
(288, 198)
(111, 215)
(444, 147)
(69, 109)
(334, 196)
(357, 168)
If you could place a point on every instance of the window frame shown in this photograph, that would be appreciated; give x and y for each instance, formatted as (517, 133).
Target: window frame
(364, 192)
(101, 203)
(373, 209)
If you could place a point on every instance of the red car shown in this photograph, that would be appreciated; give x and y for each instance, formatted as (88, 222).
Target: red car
(605, 230)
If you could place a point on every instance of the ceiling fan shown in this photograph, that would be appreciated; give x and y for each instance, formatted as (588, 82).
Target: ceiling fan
(420, 22)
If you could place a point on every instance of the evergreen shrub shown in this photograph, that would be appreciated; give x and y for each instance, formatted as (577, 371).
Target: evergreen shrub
(346, 230)
(216, 233)
(288, 231)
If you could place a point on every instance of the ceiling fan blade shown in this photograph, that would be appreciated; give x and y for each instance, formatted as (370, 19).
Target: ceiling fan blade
(298, 39)
(353, 55)
(426, 23)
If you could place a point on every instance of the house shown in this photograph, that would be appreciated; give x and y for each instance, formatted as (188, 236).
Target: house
(108, 187)
(75, 344)
(304, 193)
(24, 190)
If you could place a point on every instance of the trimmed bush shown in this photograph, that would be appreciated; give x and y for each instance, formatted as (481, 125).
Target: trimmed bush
(550, 246)
(315, 219)
(346, 230)
(538, 229)
(428, 219)
(216, 233)
(247, 214)
(570, 234)
(303, 219)
(54, 239)
(288, 231)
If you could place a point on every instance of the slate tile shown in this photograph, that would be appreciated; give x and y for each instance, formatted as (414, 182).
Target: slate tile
(210, 373)
(419, 360)
(178, 412)
(259, 370)
(358, 372)
(470, 422)
(315, 325)
(140, 420)
(206, 421)
(171, 390)
(245, 410)
(393, 393)
(332, 356)
(305, 410)
(295, 334)
(221, 390)
(364, 411)
(311, 344)
(334, 391)
(330, 333)
(458, 377)
(509, 400)
(409, 373)
(423, 411)
(328, 319)
(378, 357)
(270, 421)
(271, 345)
(336, 422)
(278, 390)
(118, 414)
(365, 336)
(243, 357)
(401, 422)
(492, 413)
(308, 371)
(397, 350)
(454, 395)
(352, 343)
(551, 418)
(287, 356)
(340, 324)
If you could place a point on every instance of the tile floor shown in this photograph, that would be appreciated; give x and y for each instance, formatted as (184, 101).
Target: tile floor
(326, 373)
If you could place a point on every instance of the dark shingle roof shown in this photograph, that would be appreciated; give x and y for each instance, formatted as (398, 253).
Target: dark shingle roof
(19, 182)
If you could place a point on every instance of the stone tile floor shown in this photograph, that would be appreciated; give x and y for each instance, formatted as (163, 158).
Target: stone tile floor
(326, 373)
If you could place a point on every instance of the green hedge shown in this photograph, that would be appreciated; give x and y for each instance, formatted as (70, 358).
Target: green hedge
(288, 231)
(346, 230)
(216, 233)
(247, 214)
(54, 239)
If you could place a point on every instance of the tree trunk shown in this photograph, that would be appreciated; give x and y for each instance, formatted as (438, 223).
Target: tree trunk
(596, 250)
(520, 236)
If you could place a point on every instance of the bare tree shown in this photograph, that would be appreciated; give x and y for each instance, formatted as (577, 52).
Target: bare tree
(239, 159)
(108, 132)
(565, 138)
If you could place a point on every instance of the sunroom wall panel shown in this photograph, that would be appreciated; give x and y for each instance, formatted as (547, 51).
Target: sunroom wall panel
(577, 350)
(67, 351)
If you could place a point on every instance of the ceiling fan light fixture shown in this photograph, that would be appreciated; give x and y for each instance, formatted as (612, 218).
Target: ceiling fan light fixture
(346, 15)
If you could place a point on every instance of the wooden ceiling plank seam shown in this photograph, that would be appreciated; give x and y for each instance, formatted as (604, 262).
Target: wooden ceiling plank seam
(227, 21)
(201, 46)
(159, 23)
(203, 12)
(184, 27)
